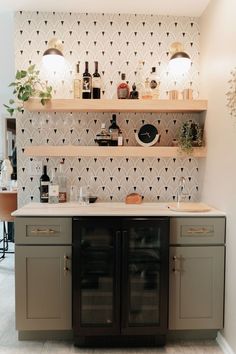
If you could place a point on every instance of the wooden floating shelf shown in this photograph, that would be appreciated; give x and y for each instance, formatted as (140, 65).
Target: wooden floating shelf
(104, 151)
(115, 105)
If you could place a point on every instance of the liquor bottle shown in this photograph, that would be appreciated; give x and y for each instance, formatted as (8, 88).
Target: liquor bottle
(114, 131)
(96, 83)
(53, 193)
(62, 180)
(154, 83)
(44, 186)
(86, 83)
(123, 88)
(140, 78)
(103, 138)
(134, 93)
(77, 82)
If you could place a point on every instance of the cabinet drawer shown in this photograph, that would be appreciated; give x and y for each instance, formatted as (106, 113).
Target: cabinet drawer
(43, 230)
(197, 230)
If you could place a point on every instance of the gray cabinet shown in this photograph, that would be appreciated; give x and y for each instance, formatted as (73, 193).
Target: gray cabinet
(43, 274)
(196, 273)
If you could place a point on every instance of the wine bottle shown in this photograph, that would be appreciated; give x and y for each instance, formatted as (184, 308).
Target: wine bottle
(77, 82)
(96, 83)
(123, 88)
(114, 131)
(86, 83)
(44, 186)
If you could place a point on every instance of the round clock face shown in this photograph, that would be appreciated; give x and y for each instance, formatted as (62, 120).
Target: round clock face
(147, 135)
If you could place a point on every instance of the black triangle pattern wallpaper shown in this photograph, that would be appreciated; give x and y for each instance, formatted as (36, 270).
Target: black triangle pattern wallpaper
(117, 42)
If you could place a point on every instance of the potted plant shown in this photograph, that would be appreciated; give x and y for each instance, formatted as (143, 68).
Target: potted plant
(189, 135)
(27, 84)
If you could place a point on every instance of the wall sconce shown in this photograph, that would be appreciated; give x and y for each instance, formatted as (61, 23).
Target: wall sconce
(180, 61)
(53, 57)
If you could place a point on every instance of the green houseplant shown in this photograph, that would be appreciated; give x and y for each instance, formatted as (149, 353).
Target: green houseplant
(27, 84)
(189, 135)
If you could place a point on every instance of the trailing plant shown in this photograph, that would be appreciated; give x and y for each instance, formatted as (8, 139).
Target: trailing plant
(189, 135)
(27, 84)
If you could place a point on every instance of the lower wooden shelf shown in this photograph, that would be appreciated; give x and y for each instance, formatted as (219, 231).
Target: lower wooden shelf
(115, 151)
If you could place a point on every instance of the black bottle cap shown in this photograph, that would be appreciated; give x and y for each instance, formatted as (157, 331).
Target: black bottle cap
(113, 116)
(153, 69)
(122, 76)
(77, 67)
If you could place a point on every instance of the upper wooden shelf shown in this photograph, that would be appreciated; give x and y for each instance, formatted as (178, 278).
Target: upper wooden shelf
(115, 105)
(114, 151)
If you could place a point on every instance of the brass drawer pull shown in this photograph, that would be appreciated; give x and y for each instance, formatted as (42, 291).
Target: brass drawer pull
(202, 230)
(43, 231)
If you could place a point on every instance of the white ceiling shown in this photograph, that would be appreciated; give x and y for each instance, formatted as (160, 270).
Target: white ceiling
(160, 7)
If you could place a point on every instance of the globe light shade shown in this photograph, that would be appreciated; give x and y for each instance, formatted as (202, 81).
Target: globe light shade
(179, 63)
(53, 59)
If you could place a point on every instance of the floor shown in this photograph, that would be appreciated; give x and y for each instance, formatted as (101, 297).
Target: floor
(9, 343)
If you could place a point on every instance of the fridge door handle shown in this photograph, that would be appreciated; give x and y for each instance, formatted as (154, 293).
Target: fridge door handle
(125, 292)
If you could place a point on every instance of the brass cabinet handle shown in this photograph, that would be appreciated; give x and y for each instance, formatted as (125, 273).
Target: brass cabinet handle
(66, 268)
(43, 231)
(202, 230)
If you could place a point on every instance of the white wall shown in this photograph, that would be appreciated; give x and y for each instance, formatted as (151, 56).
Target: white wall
(218, 58)
(6, 66)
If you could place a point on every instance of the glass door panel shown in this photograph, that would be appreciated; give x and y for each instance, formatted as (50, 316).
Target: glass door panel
(97, 276)
(145, 249)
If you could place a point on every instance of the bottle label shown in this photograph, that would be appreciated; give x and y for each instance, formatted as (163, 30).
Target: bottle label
(123, 92)
(96, 82)
(87, 84)
(44, 191)
(53, 190)
(62, 197)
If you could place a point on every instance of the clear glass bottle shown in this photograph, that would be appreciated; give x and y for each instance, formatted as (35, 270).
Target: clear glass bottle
(123, 88)
(140, 78)
(96, 83)
(44, 186)
(86, 83)
(62, 180)
(53, 193)
(114, 130)
(77, 83)
(154, 83)
(147, 93)
(103, 138)
(120, 138)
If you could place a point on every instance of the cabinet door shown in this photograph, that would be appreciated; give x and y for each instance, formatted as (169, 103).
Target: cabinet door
(196, 288)
(96, 276)
(145, 276)
(43, 287)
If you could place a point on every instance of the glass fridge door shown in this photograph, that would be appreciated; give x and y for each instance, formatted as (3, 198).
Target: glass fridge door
(145, 274)
(97, 276)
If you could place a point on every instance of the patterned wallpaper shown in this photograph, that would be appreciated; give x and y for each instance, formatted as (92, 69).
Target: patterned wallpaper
(117, 42)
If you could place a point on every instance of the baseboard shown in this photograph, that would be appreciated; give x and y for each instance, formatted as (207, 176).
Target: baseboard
(45, 335)
(224, 344)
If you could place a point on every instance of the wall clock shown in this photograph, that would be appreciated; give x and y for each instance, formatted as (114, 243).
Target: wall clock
(147, 135)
